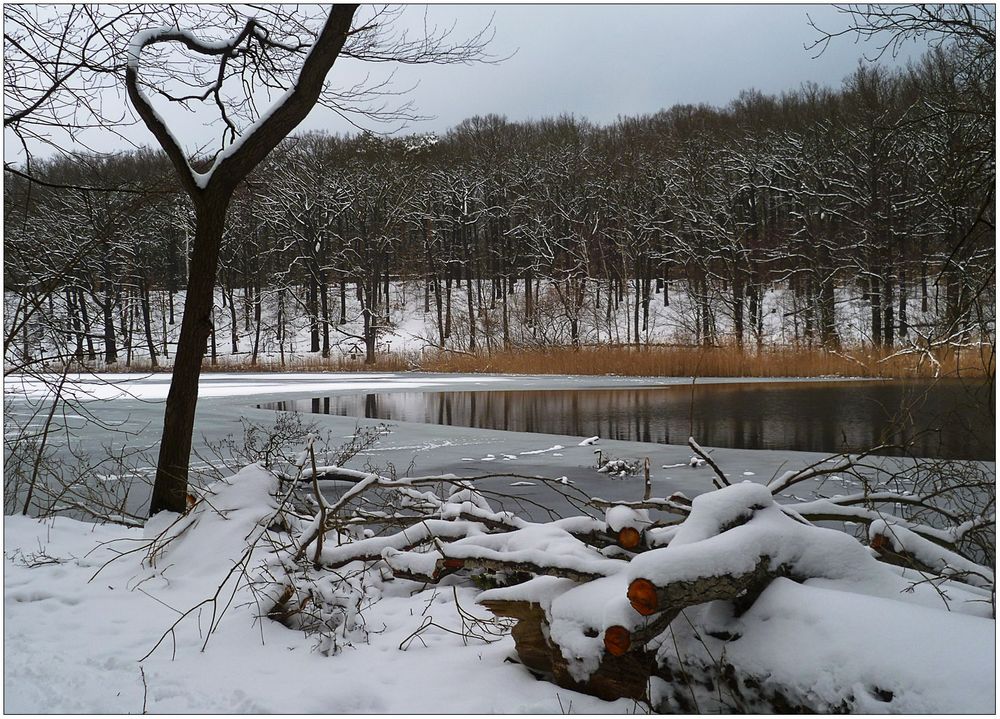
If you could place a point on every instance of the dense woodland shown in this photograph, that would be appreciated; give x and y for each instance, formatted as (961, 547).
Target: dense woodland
(881, 190)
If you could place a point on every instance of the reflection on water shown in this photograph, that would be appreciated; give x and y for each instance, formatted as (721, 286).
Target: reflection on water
(947, 419)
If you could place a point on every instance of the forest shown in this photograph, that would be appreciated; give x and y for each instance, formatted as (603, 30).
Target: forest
(555, 232)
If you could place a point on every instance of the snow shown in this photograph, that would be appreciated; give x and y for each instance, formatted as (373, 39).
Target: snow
(929, 554)
(541, 590)
(73, 645)
(210, 47)
(85, 605)
(553, 448)
(578, 617)
(703, 546)
(412, 331)
(619, 517)
(145, 37)
(156, 386)
(539, 544)
(826, 644)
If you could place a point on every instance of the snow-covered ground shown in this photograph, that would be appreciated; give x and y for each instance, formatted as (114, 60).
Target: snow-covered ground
(73, 641)
(96, 622)
(81, 610)
(411, 330)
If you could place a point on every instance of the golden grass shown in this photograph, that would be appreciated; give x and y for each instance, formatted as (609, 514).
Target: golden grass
(640, 362)
(716, 362)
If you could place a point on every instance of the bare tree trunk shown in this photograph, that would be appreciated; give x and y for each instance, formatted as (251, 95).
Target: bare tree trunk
(280, 329)
(312, 305)
(343, 302)
(447, 307)
(470, 305)
(529, 305)
(82, 302)
(257, 325)
(170, 487)
(875, 299)
(903, 328)
(110, 344)
(234, 335)
(73, 322)
(887, 311)
(505, 318)
(324, 290)
(438, 307)
(147, 323)
(738, 293)
(211, 201)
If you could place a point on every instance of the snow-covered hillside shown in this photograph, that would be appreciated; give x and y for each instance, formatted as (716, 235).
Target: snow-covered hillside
(284, 335)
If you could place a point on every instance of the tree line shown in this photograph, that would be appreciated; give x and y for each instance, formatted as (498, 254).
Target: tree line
(532, 233)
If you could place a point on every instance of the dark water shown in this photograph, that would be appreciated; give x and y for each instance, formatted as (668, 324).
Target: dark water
(945, 419)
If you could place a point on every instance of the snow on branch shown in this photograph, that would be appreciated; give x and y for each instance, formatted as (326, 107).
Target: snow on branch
(247, 149)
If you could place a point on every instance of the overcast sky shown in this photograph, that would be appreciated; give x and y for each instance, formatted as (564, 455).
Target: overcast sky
(597, 62)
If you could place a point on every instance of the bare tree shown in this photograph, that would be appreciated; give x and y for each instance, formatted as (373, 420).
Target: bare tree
(211, 192)
(265, 49)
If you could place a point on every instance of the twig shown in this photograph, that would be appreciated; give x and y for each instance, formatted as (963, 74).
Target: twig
(701, 453)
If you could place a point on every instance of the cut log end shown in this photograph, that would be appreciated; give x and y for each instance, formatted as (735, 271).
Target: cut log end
(880, 542)
(629, 538)
(642, 596)
(617, 640)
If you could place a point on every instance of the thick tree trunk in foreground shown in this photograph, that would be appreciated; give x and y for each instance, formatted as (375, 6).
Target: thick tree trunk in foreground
(170, 488)
(211, 194)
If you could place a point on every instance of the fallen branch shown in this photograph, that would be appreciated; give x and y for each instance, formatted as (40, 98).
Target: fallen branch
(696, 448)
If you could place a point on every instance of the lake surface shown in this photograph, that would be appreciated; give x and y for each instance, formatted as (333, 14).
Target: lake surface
(945, 419)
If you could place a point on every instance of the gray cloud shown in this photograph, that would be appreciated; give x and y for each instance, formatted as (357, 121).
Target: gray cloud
(596, 61)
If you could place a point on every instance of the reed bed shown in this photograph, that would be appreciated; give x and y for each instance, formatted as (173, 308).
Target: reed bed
(719, 362)
(656, 361)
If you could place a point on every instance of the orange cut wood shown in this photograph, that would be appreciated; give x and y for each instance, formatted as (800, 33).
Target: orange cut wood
(617, 640)
(879, 542)
(454, 563)
(629, 537)
(642, 596)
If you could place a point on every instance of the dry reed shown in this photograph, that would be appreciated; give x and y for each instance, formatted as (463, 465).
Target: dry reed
(657, 361)
(718, 362)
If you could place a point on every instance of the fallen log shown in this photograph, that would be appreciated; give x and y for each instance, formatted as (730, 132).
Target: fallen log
(616, 676)
(647, 598)
(532, 648)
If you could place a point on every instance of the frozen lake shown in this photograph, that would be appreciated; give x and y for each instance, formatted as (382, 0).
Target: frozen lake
(124, 413)
(943, 420)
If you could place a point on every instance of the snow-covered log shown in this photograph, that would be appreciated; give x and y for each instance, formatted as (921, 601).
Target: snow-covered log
(905, 547)
(648, 598)
(609, 636)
